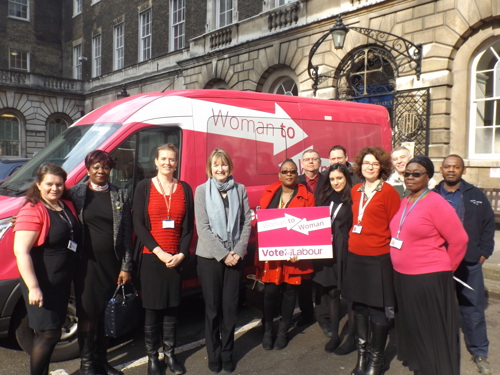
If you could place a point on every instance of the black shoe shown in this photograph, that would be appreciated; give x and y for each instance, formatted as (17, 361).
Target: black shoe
(228, 366)
(214, 366)
(332, 345)
(327, 329)
(348, 346)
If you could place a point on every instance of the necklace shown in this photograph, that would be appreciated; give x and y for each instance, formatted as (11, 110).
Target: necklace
(51, 207)
(283, 203)
(96, 187)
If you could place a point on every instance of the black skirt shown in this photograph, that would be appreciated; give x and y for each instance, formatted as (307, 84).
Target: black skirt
(427, 323)
(369, 280)
(161, 286)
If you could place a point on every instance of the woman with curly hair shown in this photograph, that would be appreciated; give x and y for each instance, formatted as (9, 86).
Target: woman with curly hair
(368, 282)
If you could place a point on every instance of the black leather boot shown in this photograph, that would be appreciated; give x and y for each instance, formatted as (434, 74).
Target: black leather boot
(86, 342)
(169, 347)
(101, 353)
(378, 341)
(152, 335)
(281, 340)
(267, 339)
(361, 327)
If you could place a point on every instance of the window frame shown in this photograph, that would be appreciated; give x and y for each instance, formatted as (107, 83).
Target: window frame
(475, 101)
(218, 14)
(18, 51)
(96, 55)
(145, 35)
(20, 134)
(77, 62)
(17, 4)
(119, 49)
(177, 38)
(77, 7)
(52, 120)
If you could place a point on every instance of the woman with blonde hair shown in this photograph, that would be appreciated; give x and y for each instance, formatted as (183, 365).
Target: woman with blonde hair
(223, 224)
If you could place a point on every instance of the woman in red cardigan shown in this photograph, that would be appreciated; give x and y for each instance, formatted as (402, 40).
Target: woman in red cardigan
(368, 281)
(283, 276)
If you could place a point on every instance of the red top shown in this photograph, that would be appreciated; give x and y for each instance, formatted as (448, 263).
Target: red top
(279, 271)
(375, 234)
(34, 217)
(168, 239)
(434, 239)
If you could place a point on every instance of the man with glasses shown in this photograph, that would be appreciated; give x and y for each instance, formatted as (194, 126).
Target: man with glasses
(478, 218)
(313, 180)
(338, 155)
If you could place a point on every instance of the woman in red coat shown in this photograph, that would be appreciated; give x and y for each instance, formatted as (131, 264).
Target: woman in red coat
(283, 276)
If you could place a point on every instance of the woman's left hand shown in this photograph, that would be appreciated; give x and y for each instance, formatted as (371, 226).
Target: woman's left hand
(232, 259)
(294, 259)
(124, 278)
(175, 260)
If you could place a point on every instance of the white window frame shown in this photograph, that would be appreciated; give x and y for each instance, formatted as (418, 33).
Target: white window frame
(145, 34)
(77, 61)
(94, 2)
(279, 3)
(16, 52)
(77, 7)
(119, 46)
(96, 55)
(479, 100)
(4, 129)
(224, 15)
(178, 24)
(20, 6)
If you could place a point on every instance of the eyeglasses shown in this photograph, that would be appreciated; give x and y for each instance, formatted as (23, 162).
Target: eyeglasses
(310, 159)
(373, 165)
(413, 174)
(288, 172)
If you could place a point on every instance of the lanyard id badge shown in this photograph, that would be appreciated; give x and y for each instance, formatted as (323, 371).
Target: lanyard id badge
(72, 245)
(396, 243)
(357, 228)
(168, 224)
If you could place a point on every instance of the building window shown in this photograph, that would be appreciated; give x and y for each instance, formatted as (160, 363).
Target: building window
(19, 9)
(119, 46)
(55, 126)
(19, 60)
(224, 13)
(96, 56)
(286, 86)
(278, 3)
(178, 16)
(77, 7)
(10, 144)
(145, 36)
(485, 107)
(77, 62)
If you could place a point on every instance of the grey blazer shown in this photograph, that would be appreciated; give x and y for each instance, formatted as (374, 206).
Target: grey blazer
(122, 220)
(209, 246)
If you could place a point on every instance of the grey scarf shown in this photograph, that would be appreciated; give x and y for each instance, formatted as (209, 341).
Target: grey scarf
(227, 229)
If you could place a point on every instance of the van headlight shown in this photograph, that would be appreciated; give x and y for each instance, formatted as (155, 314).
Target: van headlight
(5, 224)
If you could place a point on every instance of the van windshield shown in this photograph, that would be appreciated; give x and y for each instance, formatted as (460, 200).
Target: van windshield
(68, 150)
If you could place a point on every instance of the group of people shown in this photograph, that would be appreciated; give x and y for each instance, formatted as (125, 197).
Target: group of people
(395, 255)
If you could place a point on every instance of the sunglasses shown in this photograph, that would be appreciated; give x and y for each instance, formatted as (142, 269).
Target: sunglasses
(414, 174)
(288, 172)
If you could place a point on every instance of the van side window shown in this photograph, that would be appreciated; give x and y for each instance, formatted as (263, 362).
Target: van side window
(135, 156)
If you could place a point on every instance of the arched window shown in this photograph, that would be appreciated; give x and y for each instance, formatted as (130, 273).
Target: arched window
(10, 135)
(484, 139)
(56, 124)
(285, 86)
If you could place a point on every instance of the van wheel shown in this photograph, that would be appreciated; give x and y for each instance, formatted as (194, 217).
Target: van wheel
(66, 348)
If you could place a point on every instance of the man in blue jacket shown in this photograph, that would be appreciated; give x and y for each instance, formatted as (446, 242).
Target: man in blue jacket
(478, 218)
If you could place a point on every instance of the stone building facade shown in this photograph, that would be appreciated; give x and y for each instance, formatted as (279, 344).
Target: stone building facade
(83, 53)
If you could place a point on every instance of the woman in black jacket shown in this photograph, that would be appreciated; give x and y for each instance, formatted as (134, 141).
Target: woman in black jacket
(336, 193)
(105, 257)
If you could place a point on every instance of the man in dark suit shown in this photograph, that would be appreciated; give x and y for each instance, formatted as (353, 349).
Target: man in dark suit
(313, 180)
(338, 155)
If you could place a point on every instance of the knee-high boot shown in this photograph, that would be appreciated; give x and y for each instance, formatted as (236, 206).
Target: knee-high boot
(281, 338)
(101, 353)
(86, 342)
(267, 339)
(361, 324)
(152, 336)
(169, 347)
(378, 341)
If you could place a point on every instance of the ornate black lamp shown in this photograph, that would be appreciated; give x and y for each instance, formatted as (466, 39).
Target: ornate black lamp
(408, 55)
(123, 93)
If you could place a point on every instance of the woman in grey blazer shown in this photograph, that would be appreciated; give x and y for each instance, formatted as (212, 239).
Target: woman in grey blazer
(105, 257)
(223, 224)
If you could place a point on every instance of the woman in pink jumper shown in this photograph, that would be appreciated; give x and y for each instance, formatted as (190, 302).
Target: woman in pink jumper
(428, 243)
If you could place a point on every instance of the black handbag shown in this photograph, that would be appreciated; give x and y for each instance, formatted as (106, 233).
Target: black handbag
(122, 312)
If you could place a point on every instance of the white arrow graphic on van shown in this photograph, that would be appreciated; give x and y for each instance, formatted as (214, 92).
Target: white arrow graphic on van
(276, 128)
(291, 222)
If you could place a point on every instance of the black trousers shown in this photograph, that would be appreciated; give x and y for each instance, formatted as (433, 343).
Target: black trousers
(220, 286)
